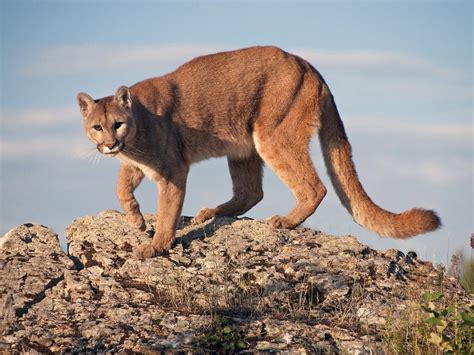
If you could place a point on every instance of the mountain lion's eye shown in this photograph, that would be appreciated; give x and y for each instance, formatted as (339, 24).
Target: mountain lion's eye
(97, 127)
(117, 125)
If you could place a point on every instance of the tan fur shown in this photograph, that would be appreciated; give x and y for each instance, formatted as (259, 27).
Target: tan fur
(253, 105)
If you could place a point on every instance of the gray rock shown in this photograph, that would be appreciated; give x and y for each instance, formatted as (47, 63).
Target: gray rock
(31, 263)
(270, 290)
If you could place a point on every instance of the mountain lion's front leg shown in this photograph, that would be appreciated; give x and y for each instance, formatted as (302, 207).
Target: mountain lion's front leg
(129, 178)
(170, 202)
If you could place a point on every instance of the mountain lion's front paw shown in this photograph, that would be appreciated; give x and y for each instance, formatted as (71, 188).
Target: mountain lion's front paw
(204, 214)
(149, 250)
(280, 222)
(144, 251)
(136, 221)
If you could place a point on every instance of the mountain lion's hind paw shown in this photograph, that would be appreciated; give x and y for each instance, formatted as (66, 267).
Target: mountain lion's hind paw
(280, 222)
(204, 215)
(136, 221)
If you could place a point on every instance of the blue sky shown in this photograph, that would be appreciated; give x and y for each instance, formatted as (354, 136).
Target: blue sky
(401, 73)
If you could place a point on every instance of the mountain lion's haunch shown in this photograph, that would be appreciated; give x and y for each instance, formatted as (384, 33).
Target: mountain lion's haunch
(252, 105)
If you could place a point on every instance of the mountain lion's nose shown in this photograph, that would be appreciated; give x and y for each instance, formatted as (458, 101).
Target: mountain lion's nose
(111, 145)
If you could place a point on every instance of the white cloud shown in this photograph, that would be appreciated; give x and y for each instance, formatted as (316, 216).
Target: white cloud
(64, 147)
(442, 151)
(393, 74)
(36, 117)
(434, 171)
(21, 135)
(456, 133)
(376, 63)
(99, 58)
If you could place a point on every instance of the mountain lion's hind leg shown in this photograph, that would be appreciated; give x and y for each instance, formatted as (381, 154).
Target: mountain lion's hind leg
(246, 177)
(289, 159)
(129, 178)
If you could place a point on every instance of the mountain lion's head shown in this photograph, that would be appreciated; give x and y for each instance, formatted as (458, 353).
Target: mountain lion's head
(108, 122)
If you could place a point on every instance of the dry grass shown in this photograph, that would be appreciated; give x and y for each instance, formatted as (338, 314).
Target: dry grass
(405, 333)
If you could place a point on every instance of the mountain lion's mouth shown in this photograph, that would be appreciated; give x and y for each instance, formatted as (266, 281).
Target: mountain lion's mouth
(112, 151)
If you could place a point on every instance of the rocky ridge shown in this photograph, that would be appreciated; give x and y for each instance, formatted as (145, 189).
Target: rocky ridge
(228, 284)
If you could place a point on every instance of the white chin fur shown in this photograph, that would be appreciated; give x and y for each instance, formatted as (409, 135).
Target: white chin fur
(113, 151)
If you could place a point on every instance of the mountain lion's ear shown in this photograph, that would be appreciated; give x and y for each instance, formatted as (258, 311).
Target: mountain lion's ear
(85, 103)
(123, 98)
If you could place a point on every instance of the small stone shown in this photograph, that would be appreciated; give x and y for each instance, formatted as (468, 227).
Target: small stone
(287, 338)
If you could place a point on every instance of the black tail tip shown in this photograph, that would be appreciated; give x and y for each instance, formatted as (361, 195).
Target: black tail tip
(436, 220)
(429, 220)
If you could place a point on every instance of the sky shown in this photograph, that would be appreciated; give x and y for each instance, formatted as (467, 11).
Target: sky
(401, 73)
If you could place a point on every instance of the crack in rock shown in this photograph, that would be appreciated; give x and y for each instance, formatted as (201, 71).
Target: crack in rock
(20, 312)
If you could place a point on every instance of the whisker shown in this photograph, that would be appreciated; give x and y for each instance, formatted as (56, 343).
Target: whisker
(86, 153)
(134, 150)
(134, 153)
(138, 150)
(91, 159)
(99, 156)
(94, 158)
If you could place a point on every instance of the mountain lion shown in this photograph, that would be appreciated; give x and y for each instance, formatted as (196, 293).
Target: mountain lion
(254, 106)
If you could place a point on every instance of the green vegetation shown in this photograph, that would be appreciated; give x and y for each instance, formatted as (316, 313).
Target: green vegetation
(430, 326)
(451, 328)
(222, 337)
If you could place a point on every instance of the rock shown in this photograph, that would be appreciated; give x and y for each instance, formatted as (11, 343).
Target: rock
(31, 263)
(265, 289)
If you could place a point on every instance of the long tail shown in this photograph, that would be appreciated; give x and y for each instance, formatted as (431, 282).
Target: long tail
(338, 158)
